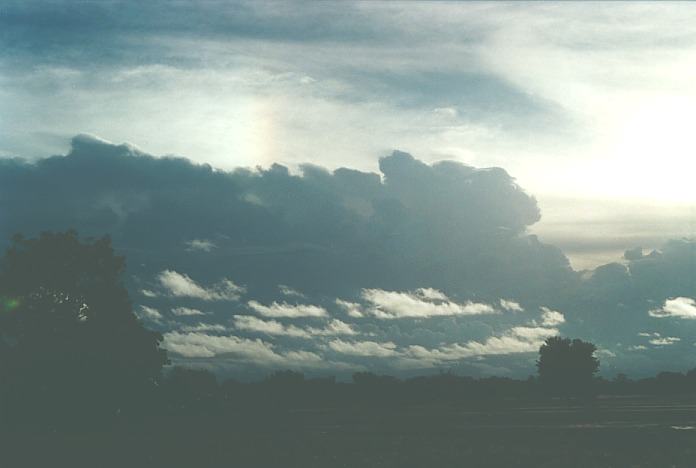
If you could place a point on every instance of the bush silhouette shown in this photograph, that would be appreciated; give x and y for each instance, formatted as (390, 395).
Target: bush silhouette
(71, 342)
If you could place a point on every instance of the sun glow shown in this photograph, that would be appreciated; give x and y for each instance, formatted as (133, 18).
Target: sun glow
(653, 152)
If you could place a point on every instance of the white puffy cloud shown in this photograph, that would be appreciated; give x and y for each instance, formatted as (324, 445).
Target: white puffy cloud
(245, 350)
(149, 313)
(535, 335)
(664, 341)
(680, 307)
(511, 306)
(353, 309)
(186, 312)
(364, 348)
(551, 318)
(283, 309)
(289, 292)
(181, 285)
(421, 303)
(273, 327)
(334, 327)
(516, 340)
(196, 344)
(431, 294)
(606, 353)
(204, 327)
(269, 327)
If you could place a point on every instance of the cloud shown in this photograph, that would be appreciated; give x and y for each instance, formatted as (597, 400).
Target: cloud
(511, 306)
(516, 340)
(431, 294)
(665, 341)
(202, 345)
(679, 307)
(202, 245)
(181, 285)
(198, 345)
(204, 327)
(334, 327)
(324, 232)
(273, 327)
(186, 312)
(422, 303)
(283, 309)
(551, 318)
(289, 292)
(353, 309)
(364, 348)
(149, 313)
(411, 241)
(269, 327)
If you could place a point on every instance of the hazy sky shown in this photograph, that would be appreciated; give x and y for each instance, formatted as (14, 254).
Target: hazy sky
(587, 106)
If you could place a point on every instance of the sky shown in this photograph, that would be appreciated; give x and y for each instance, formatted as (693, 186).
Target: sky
(566, 134)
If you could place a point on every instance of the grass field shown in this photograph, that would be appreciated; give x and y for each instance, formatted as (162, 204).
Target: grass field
(622, 432)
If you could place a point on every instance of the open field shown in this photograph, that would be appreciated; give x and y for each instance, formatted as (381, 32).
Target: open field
(626, 432)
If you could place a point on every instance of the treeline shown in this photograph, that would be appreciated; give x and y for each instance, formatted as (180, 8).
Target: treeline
(189, 388)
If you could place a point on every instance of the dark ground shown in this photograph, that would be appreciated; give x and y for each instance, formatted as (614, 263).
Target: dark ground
(617, 432)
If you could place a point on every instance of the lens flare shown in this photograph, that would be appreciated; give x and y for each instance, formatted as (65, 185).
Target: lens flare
(9, 304)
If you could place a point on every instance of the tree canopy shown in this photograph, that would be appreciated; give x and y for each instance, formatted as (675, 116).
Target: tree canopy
(68, 333)
(567, 366)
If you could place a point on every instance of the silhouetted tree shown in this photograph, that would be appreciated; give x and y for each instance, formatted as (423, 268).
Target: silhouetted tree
(567, 366)
(69, 338)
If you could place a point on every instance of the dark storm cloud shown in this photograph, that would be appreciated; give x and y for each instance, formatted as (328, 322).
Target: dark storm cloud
(421, 266)
(448, 225)
(442, 242)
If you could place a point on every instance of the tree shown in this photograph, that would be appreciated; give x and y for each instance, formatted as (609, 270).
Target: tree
(68, 335)
(567, 366)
